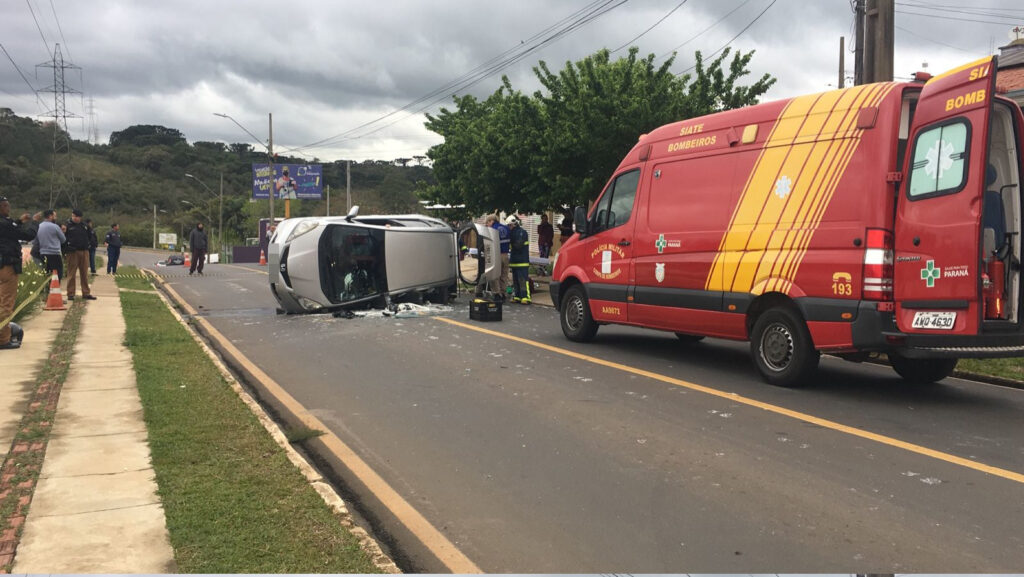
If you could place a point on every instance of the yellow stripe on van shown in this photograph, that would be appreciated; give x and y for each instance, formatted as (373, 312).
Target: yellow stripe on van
(821, 180)
(828, 191)
(789, 189)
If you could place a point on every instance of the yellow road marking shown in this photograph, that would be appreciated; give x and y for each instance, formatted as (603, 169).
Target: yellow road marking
(417, 524)
(921, 450)
(259, 270)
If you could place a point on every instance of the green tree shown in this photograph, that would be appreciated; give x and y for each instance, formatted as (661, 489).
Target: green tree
(558, 147)
(146, 135)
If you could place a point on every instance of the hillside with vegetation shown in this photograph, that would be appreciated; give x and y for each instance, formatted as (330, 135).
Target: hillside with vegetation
(143, 166)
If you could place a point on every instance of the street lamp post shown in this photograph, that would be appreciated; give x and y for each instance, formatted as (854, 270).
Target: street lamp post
(220, 222)
(154, 225)
(270, 153)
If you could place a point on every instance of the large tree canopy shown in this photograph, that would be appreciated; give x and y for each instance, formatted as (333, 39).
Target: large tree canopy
(147, 135)
(558, 147)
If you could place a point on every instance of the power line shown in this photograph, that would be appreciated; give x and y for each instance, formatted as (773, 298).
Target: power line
(652, 27)
(726, 45)
(975, 10)
(956, 18)
(536, 42)
(482, 71)
(912, 33)
(701, 33)
(38, 27)
(22, 74)
(62, 39)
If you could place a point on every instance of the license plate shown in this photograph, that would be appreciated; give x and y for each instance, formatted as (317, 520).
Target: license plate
(934, 320)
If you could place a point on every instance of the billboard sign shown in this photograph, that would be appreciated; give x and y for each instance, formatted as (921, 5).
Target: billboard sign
(168, 238)
(289, 181)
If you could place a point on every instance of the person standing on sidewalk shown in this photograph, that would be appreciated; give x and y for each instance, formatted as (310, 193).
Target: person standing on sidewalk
(197, 241)
(78, 255)
(519, 259)
(93, 243)
(50, 238)
(11, 233)
(545, 236)
(113, 243)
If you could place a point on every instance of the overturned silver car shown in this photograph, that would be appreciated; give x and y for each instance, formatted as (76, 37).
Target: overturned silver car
(320, 264)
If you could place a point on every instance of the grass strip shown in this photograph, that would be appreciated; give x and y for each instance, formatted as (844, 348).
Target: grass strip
(234, 502)
(19, 473)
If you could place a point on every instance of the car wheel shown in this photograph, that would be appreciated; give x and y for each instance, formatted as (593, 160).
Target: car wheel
(577, 323)
(689, 339)
(922, 371)
(782, 349)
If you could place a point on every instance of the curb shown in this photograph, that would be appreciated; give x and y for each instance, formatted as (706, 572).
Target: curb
(379, 558)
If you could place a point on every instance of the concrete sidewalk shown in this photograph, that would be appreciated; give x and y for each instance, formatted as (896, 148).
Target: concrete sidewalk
(95, 507)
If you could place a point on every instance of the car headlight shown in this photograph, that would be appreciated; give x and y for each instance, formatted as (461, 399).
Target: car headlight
(301, 229)
(309, 304)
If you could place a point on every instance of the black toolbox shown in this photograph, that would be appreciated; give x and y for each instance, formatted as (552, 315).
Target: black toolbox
(484, 310)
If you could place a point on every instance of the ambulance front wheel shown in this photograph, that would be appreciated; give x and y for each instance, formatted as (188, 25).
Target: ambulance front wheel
(922, 371)
(782, 348)
(577, 323)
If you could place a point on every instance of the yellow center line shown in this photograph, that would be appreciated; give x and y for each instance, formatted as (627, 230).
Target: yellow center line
(920, 450)
(261, 271)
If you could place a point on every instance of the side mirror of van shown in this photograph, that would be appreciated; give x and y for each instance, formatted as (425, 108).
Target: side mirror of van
(579, 218)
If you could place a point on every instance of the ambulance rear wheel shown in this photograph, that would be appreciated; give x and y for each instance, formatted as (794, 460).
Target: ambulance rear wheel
(782, 348)
(577, 323)
(922, 371)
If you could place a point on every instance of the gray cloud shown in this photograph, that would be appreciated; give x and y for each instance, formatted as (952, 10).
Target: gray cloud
(324, 68)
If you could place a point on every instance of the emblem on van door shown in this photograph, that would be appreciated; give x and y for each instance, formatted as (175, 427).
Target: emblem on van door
(930, 273)
(659, 271)
(783, 187)
(661, 243)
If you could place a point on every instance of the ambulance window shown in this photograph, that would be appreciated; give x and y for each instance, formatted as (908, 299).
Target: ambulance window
(940, 160)
(616, 206)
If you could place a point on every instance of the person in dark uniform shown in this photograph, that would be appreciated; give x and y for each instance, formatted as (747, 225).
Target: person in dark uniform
(78, 255)
(198, 243)
(93, 243)
(11, 233)
(113, 243)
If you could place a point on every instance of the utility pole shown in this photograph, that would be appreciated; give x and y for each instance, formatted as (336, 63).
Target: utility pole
(879, 38)
(842, 62)
(858, 44)
(94, 128)
(154, 227)
(885, 39)
(870, 40)
(348, 185)
(270, 163)
(62, 175)
(220, 224)
(328, 199)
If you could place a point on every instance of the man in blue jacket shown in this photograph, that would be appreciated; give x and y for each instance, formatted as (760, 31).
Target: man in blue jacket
(519, 259)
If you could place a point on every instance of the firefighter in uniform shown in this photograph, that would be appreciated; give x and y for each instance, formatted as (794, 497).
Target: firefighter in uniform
(519, 259)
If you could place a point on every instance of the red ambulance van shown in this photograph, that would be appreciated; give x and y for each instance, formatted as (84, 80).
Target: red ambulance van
(883, 218)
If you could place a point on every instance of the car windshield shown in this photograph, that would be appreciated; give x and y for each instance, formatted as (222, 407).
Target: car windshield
(353, 257)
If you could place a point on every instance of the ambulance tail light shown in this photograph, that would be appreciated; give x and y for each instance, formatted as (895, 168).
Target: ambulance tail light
(878, 269)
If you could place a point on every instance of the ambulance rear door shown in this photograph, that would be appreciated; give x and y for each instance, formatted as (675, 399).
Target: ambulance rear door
(937, 245)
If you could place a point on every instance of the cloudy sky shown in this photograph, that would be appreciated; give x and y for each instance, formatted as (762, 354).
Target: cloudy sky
(351, 80)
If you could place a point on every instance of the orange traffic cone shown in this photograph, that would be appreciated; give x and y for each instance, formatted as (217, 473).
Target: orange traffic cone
(188, 260)
(55, 302)
(263, 258)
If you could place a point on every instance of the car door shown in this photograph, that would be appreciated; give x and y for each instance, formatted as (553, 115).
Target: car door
(937, 245)
(607, 248)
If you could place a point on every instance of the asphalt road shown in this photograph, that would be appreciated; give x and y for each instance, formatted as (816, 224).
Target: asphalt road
(642, 454)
